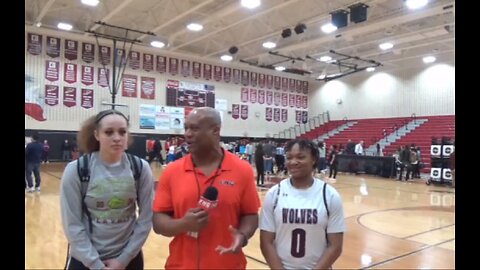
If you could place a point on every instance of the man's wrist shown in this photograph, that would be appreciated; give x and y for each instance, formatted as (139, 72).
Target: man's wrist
(245, 238)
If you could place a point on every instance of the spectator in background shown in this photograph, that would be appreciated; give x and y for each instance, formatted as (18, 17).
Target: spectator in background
(46, 149)
(66, 151)
(379, 151)
(33, 158)
(259, 165)
(359, 149)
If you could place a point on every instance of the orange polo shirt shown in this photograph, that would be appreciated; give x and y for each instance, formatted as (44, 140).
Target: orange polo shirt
(237, 195)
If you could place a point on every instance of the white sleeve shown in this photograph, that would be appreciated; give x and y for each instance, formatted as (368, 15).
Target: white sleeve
(336, 221)
(267, 217)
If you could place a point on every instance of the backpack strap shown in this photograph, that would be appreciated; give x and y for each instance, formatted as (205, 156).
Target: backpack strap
(84, 174)
(136, 165)
(276, 198)
(326, 208)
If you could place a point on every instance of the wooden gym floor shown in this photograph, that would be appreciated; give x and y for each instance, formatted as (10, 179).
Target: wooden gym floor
(390, 225)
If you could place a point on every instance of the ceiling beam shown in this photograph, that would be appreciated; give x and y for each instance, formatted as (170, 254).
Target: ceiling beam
(111, 14)
(44, 11)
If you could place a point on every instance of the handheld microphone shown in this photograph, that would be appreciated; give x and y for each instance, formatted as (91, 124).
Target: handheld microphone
(206, 202)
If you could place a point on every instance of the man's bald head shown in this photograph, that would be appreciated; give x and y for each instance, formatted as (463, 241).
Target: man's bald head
(207, 115)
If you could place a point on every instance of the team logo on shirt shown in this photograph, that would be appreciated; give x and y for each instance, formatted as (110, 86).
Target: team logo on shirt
(227, 182)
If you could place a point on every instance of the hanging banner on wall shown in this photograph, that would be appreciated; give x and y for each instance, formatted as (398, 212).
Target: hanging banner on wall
(70, 73)
(291, 85)
(291, 100)
(227, 74)
(134, 60)
(34, 44)
(245, 77)
(285, 84)
(69, 96)
(253, 79)
(244, 111)
(298, 86)
(276, 82)
(196, 70)
(269, 81)
(88, 52)
(51, 95)
(86, 99)
(268, 114)
(53, 47)
(87, 75)
(261, 96)
(276, 114)
(304, 117)
(147, 62)
(217, 73)
(161, 64)
(253, 95)
(236, 76)
(284, 115)
(244, 94)
(104, 55)
(129, 85)
(173, 66)
(305, 87)
(284, 100)
(261, 80)
(304, 102)
(147, 87)
(71, 49)
(103, 77)
(52, 69)
(277, 99)
(207, 71)
(235, 111)
(185, 68)
(269, 98)
(298, 101)
(298, 117)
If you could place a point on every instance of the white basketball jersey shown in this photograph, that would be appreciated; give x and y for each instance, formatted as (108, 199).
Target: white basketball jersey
(299, 221)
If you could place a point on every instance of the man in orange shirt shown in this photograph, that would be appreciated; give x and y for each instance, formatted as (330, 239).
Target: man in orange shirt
(213, 238)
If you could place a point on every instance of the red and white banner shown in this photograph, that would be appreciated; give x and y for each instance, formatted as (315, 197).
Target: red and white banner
(217, 73)
(277, 83)
(147, 88)
(207, 71)
(244, 111)
(86, 99)
(70, 73)
(51, 95)
(304, 102)
(253, 95)
(236, 76)
(298, 117)
(235, 111)
(298, 101)
(147, 62)
(276, 98)
(261, 96)
(298, 86)
(291, 85)
(284, 84)
(129, 85)
(173, 66)
(87, 75)
(304, 117)
(245, 77)
(69, 96)
(269, 81)
(269, 98)
(34, 43)
(196, 70)
(291, 100)
(284, 99)
(185, 68)
(88, 52)
(284, 115)
(227, 74)
(253, 79)
(71, 49)
(134, 60)
(104, 56)
(103, 77)
(161, 64)
(261, 80)
(305, 87)
(53, 47)
(268, 114)
(52, 70)
(244, 94)
(276, 114)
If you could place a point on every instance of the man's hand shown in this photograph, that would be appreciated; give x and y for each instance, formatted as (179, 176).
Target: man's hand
(238, 240)
(196, 219)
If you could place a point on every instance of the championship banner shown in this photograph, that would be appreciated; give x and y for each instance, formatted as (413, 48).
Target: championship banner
(147, 62)
(235, 111)
(269, 81)
(70, 73)
(87, 75)
(291, 100)
(34, 43)
(298, 101)
(196, 69)
(304, 117)
(276, 99)
(269, 98)
(161, 64)
(261, 96)
(147, 87)
(276, 114)
(244, 94)
(291, 85)
(69, 96)
(173, 66)
(53, 47)
(71, 49)
(298, 86)
(103, 77)
(284, 115)
(244, 111)
(236, 76)
(304, 102)
(120, 57)
(285, 84)
(245, 77)
(268, 114)
(253, 79)
(51, 95)
(217, 73)
(277, 82)
(134, 60)
(104, 55)
(129, 85)
(185, 68)
(88, 52)
(207, 71)
(253, 95)
(298, 117)
(227, 74)
(305, 87)
(261, 80)
(52, 70)
(86, 99)
(284, 100)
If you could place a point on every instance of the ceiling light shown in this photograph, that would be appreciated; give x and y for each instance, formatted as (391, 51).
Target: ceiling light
(157, 44)
(280, 68)
(64, 26)
(386, 46)
(429, 59)
(195, 27)
(250, 3)
(414, 4)
(325, 58)
(226, 57)
(328, 28)
(38, 24)
(269, 45)
(92, 3)
(370, 69)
